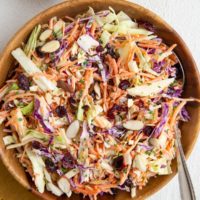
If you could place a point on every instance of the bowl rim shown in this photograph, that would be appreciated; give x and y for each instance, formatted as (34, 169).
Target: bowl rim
(66, 3)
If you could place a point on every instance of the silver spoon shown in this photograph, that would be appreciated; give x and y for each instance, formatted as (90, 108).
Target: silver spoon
(185, 182)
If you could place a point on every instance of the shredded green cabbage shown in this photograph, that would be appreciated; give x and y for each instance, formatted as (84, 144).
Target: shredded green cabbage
(32, 41)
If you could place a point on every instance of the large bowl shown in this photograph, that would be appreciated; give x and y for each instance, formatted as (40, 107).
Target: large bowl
(192, 86)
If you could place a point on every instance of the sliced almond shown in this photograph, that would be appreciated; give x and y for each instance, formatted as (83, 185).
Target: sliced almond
(130, 102)
(64, 185)
(51, 46)
(102, 122)
(73, 129)
(58, 25)
(151, 89)
(154, 142)
(45, 35)
(106, 166)
(133, 125)
(140, 162)
(132, 65)
(97, 90)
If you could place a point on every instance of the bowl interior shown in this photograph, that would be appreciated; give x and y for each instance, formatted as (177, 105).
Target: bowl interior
(192, 85)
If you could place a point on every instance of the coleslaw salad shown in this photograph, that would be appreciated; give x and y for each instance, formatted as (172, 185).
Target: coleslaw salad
(92, 103)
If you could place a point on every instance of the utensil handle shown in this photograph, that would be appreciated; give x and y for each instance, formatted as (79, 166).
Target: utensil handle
(185, 183)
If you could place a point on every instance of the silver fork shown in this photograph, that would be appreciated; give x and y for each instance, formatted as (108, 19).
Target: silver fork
(185, 183)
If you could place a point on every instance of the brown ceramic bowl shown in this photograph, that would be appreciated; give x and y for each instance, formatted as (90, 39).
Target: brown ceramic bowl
(192, 86)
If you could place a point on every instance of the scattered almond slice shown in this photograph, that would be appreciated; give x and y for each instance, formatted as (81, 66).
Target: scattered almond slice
(140, 162)
(133, 125)
(132, 65)
(97, 90)
(58, 25)
(151, 89)
(64, 185)
(51, 46)
(106, 166)
(45, 35)
(102, 122)
(73, 129)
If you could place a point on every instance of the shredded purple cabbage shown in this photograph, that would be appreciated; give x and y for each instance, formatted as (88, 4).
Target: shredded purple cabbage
(157, 67)
(56, 55)
(146, 25)
(68, 161)
(38, 116)
(146, 147)
(117, 131)
(72, 183)
(174, 92)
(163, 166)
(88, 25)
(157, 131)
(85, 133)
(184, 115)
(151, 51)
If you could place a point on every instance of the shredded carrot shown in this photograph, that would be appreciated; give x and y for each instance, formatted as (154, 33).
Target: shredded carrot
(112, 64)
(93, 28)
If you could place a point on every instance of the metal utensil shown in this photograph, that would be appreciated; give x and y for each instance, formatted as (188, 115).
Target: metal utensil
(185, 183)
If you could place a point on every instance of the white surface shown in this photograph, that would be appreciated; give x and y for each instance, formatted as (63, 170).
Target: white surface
(183, 15)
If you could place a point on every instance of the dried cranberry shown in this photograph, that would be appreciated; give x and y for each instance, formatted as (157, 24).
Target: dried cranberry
(116, 109)
(111, 115)
(95, 65)
(39, 52)
(124, 84)
(51, 167)
(148, 130)
(86, 108)
(61, 111)
(99, 48)
(110, 82)
(36, 145)
(118, 163)
(72, 102)
(140, 103)
(129, 96)
(68, 161)
(111, 52)
(72, 58)
(120, 108)
(23, 82)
